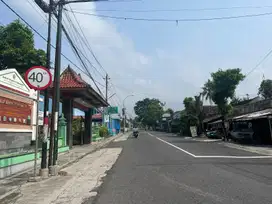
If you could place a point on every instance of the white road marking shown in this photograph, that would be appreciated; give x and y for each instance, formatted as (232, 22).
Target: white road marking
(235, 157)
(173, 146)
(210, 156)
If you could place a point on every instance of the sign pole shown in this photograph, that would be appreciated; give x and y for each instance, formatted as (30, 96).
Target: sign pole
(38, 78)
(36, 132)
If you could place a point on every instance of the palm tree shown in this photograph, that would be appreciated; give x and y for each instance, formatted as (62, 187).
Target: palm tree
(207, 91)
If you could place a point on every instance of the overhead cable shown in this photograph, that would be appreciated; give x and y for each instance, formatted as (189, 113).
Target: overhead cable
(38, 33)
(174, 20)
(175, 10)
(87, 43)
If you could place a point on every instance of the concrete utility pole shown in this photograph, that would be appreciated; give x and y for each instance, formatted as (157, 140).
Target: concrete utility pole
(107, 86)
(53, 151)
(47, 9)
(124, 111)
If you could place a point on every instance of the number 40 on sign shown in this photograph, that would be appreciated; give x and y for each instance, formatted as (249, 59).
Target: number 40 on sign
(38, 78)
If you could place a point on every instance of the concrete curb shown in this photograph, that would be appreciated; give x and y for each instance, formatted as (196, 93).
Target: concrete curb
(15, 193)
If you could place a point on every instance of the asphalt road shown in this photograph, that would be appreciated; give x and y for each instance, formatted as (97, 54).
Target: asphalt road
(172, 170)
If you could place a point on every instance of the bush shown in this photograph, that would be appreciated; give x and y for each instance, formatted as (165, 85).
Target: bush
(103, 131)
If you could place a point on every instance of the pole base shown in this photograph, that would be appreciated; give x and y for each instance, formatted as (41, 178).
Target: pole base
(54, 170)
(44, 173)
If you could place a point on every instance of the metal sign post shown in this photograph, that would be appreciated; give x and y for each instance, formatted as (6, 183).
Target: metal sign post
(38, 78)
(36, 133)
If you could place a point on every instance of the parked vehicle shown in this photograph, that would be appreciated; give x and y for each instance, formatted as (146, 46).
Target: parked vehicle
(241, 131)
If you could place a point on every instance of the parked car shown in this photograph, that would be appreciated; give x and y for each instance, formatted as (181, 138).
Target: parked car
(241, 131)
(213, 134)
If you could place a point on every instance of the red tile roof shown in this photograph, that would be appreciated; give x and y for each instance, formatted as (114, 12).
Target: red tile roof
(70, 79)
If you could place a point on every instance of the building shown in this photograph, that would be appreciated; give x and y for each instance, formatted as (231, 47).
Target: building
(252, 121)
(17, 122)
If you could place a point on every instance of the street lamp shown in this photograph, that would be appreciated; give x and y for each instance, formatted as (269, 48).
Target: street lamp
(124, 113)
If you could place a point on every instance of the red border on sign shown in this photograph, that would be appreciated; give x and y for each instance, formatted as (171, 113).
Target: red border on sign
(34, 87)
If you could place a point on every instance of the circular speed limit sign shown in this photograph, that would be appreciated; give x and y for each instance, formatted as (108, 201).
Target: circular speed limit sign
(38, 78)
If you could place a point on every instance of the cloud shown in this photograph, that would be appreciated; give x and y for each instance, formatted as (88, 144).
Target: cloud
(141, 82)
(169, 73)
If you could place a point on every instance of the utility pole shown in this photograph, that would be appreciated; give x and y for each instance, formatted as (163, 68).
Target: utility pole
(124, 111)
(124, 116)
(56, 92)
(47, 9)
(53, 150)
(107, 86)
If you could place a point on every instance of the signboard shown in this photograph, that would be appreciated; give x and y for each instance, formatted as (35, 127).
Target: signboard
(14, 112)
(38, 78)
(106, 118)
(193, 130)
(111, 110)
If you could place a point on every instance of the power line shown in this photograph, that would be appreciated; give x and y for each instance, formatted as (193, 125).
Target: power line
(176, 10)
(76, 36)
(29, 1)
(40, 35)
(260, 62)
(78, 55)
(36, 9)
(87, 43)
(174, 20)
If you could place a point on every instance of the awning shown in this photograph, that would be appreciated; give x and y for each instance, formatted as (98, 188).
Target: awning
(255, 115)
(217, 121)
(212, 119)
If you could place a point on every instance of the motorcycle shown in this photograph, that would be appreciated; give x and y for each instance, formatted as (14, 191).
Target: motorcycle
(135, 132)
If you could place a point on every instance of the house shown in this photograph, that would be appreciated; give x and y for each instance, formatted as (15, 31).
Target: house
(252, 121)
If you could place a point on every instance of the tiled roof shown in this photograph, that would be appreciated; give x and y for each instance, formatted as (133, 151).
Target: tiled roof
(70, 79)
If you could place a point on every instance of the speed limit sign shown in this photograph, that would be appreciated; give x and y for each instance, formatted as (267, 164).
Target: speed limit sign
(38, 78)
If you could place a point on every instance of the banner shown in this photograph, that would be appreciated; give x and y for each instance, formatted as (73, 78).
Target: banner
(14, 112)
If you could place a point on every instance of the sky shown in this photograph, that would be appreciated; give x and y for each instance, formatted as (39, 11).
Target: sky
(163, 60)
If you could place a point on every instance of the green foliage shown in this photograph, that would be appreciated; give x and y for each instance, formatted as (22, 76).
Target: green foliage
(265, 88)
(17, 48)
(193, 109)
(207, 91)
(149, 111)
(238, 101)
(170, 111)
(222, 87)
(76, 126)
(103, 131)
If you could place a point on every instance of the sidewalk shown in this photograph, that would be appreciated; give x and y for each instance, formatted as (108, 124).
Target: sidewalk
(10, 187)
(264, 150)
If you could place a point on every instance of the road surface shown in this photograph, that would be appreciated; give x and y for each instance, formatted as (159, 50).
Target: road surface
(161, 168)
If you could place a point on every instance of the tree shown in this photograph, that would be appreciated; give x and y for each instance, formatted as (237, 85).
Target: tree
(194, 111)
(17, 48)
(149, 111)
(223, 85)
(238, 101)
(207, 91)
(170, 111)
(265, 88)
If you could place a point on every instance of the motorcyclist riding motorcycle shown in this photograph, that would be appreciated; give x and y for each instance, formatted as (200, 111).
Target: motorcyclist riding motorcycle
(135, 132)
